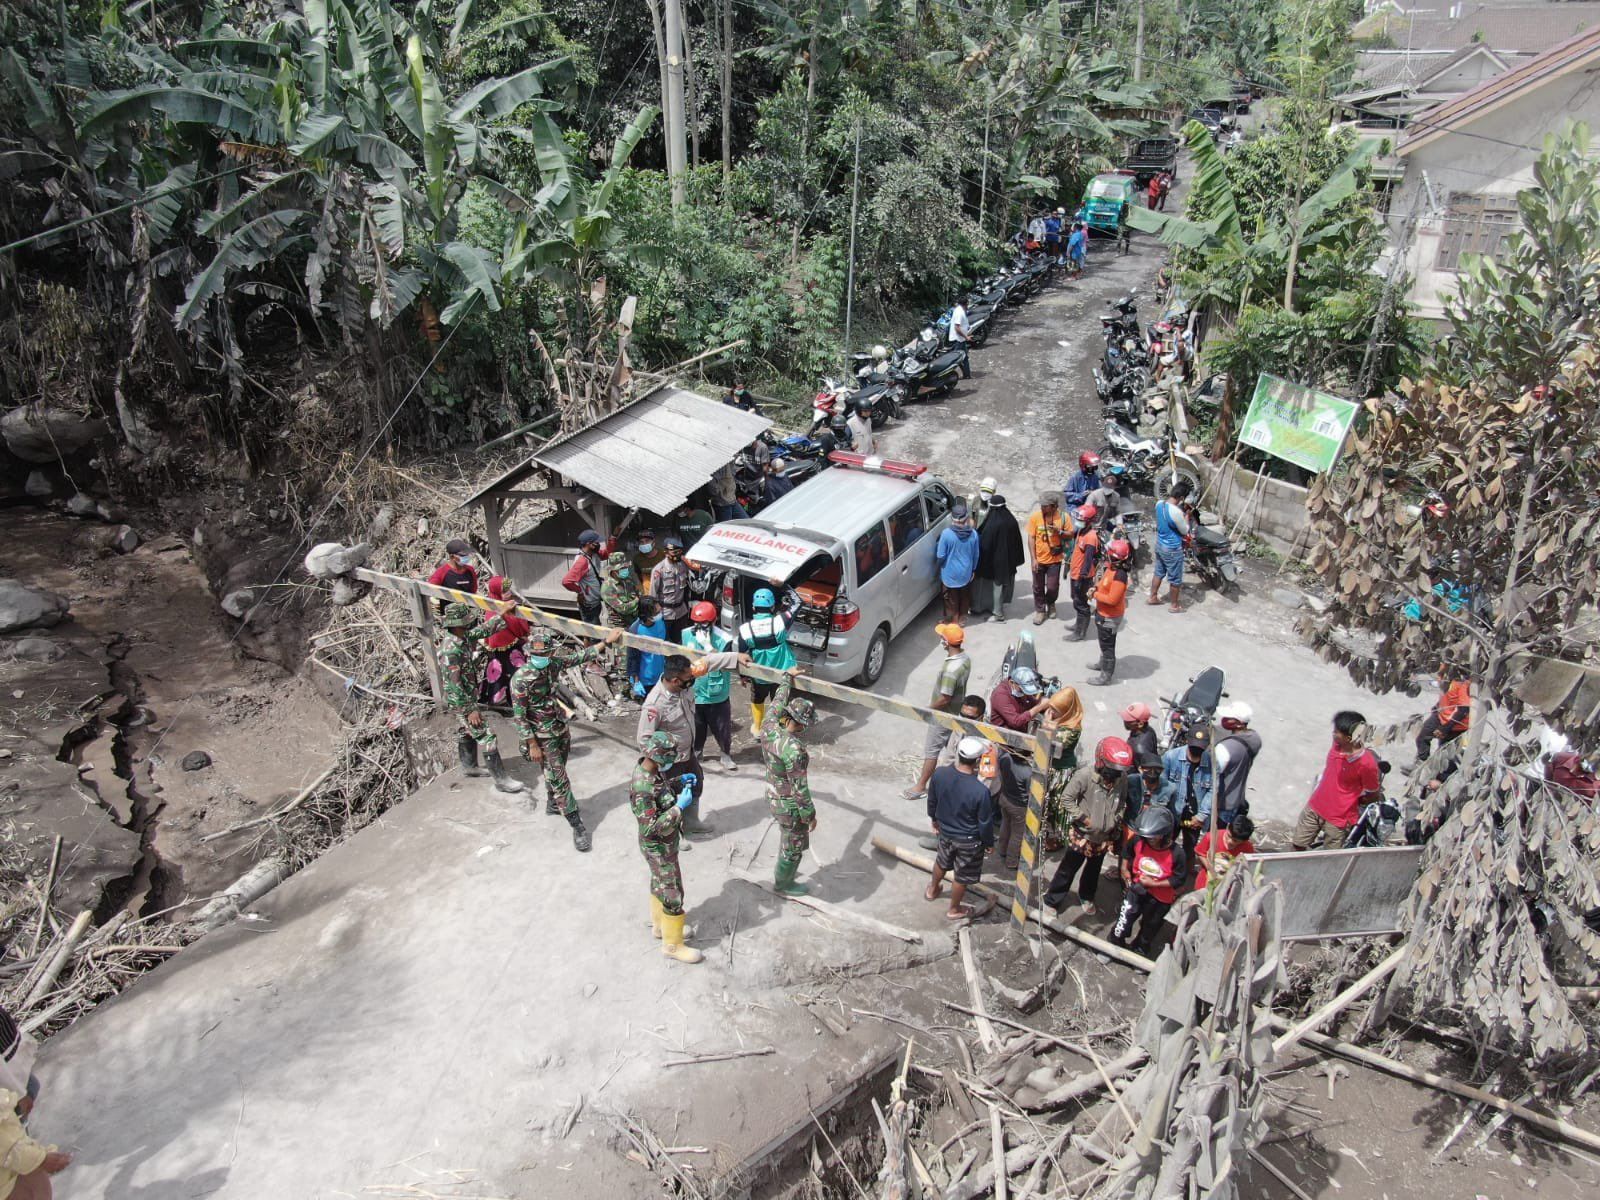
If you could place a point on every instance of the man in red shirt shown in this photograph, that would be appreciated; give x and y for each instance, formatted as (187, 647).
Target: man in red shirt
(1153, 863)
(1350, 779)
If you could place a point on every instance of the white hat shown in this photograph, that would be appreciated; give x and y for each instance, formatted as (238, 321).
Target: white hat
(970, 749)
(988, 485)
(1235, 710)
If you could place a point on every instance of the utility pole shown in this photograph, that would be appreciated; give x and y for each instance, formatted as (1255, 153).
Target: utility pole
(1138, 46)
(727, 95)
(850, 274)
(677, 157)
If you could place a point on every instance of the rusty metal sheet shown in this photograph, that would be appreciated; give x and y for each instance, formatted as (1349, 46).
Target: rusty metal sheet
(1341, 893)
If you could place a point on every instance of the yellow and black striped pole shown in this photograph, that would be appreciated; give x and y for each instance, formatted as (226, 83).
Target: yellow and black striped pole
(1032, 829)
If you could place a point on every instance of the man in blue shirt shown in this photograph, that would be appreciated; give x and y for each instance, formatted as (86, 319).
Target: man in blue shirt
(644, 668)
(961, 811)
(1052, 233)
(1148, 785)
(1084, 480)
(957, 556)
(1078, 247)
(1188, 769)
(1172, 531)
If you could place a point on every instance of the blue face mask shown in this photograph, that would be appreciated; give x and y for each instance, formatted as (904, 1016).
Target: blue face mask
(537, 661)
(646, 547)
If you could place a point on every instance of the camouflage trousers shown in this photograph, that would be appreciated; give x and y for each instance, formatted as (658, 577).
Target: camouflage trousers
(556, 742)
(793, 842)
(666, 880)
(483, 735)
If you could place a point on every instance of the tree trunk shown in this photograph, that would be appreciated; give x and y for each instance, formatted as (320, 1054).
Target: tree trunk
(1219, 447)
(1138, 46)
(727, 94)
(692, 113)
(805, 136)
(661, 63)
(677, 157)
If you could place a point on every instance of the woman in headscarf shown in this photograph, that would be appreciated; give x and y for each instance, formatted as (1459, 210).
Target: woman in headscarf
(1061, 714)
(504, 648)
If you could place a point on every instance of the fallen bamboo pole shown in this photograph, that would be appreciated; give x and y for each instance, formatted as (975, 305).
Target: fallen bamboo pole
(840, 912)
(1562, 1130)
(1340, 1002)
(1053, 924)
(298, 800)
(58, 960)
(722, 1057)
(980, 1017)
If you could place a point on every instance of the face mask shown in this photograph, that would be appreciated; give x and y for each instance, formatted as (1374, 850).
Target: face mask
(466, 559)
(538, 661)
(646, 547)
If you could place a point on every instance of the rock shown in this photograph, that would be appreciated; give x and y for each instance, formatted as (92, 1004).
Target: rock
(23, 607)
(106, 513)
(1288, 597)
(124, 540)
(6, 754)
(590, 989)
(83, 506)
(39, 485)
(345, 591)
(381, 523)
(238, 602)
(37, 649)
(328, 560)
(1316, 604)
(195, 760)
(43, 433)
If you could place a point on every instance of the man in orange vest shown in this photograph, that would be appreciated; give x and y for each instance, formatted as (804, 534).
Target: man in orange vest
(1450, 716)
(1111, 606)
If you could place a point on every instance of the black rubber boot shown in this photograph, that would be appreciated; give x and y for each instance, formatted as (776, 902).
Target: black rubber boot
(467, 752)
(552, 806)
(580, 835)
(502, 778)
(1080, 627)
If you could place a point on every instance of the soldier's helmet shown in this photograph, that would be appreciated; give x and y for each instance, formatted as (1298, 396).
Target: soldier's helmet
(660, 749)
(540, 637)
(800, 710)
(618, 560)
(459, 613)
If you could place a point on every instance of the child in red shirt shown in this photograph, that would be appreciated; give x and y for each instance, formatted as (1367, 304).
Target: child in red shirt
(1152, 866)
(1232, 841)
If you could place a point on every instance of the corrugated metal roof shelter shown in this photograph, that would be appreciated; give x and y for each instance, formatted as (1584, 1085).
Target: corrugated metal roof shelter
(653, 453)
(649, 456)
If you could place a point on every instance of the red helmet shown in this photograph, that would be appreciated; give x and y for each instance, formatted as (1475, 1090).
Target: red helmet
(703, 613)
(1088, 460)
(1113, 753)
(1137, 713)
(1087, 513)
(1119, 550)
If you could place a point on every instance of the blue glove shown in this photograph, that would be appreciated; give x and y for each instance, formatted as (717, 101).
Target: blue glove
(638, 690)
(685, 797)
(689, 780)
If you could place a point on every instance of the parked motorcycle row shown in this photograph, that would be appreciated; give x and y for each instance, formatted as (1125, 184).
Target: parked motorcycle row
(1137, 380)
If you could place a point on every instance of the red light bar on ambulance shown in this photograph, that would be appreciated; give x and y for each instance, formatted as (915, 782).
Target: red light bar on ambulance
(885, 466)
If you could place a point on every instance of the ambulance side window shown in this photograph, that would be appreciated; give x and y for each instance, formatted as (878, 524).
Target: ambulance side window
(872, 553)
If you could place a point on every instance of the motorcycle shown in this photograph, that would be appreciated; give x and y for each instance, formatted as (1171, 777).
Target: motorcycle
(1209, 552)
(1024, 653)
(1196, 708)
(1149, 460)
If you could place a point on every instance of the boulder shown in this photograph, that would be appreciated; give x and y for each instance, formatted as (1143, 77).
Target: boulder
(124, 540)
(36, 649)
(23, 607)
(43, 433)
(346, 591)
(381, 522)
(196, 760)
(237, 603)
(83, 506)
(329, 560)
(39, 486)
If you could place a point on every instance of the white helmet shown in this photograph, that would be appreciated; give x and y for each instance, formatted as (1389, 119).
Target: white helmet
(880, 352)
(1061, 212)
(988, 486)
(1236, 711)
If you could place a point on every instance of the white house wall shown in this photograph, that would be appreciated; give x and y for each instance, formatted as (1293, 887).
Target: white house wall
(1489, 156)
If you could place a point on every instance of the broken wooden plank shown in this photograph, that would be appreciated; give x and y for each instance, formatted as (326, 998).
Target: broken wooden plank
(841, 912)
(724, 1056)
(986, 1033)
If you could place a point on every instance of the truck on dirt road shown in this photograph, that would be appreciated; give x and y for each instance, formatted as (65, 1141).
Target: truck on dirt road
(1150, 156)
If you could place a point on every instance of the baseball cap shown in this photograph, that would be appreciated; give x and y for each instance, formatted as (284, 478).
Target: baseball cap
(1200, 739)
(588, 538)
(457, 546)
(951, 632)
(970, 749)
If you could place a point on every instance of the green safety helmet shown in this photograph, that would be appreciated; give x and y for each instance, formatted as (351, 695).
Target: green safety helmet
(458, 613)
(800, 710)
(660, 749)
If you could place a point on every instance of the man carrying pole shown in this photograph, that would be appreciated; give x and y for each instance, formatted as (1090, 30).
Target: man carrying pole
(461, 662)
(788, 788)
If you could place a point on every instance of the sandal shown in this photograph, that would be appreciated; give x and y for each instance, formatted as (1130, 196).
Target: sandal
(932, 892)
(964, 913)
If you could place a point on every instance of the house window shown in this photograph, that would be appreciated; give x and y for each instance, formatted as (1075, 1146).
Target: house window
(1475, 225)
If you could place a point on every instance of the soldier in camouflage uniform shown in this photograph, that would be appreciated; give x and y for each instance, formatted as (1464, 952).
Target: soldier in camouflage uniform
(658, 808)
(540, 723)
(788, 789)
(620, 591)
(461, 661)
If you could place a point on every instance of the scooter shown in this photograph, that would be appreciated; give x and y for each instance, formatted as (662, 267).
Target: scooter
(1149, 460)
(1210, 553)
(1196, 707)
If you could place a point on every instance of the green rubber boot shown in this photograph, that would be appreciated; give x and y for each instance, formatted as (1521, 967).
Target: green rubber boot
(784, 882)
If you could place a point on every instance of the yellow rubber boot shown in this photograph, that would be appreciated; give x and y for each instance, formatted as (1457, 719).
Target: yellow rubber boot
(672, 940)
(655, 917)
(757, 713)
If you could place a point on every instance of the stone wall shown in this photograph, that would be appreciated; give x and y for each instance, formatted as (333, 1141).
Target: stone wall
(1277, 515)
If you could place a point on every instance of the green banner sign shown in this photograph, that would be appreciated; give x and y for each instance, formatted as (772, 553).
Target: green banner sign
(1296, 423)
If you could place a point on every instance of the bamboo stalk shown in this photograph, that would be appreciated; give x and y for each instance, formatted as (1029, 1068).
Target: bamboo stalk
(57, 960)
(1340, 1002)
